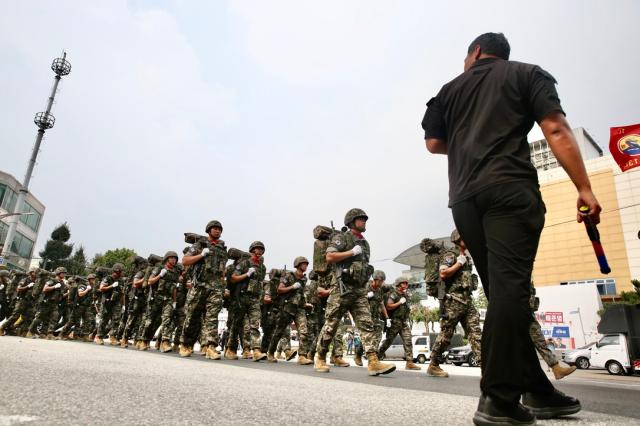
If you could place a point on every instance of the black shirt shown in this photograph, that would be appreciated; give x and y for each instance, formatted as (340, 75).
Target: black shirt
(484, 115)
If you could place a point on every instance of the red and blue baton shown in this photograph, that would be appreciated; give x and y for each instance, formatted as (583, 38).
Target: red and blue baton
(594, 236)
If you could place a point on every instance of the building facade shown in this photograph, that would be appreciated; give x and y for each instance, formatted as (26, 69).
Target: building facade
(21, 251)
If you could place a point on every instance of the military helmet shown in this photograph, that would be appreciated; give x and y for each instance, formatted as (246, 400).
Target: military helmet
(118, 267)
(352, 215)
(71, 279)
(455, 236)
(34, 269)
(169, 254)
(4, 273)
(213, 224)
(401, 280)
(300, 259)
(91, 276)
(256, 244)
(60, 270)
(379, 275)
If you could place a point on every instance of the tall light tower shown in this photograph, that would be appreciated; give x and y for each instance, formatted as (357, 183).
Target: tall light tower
(44, 120)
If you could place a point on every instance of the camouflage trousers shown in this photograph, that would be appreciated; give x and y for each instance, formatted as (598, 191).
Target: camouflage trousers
(268, 318)
(124, 317)
(46, 316)
(179, 317)
(247, 307)
(378, 328)
(299, 317)
(315, 321)
(134, 318)
(109, 319)
(535, 331)
(167, 325)
(202, 307)
(22, 308)
(284, 344)
(337, 306)
(152, 318)
(402, 328)
(468, 317)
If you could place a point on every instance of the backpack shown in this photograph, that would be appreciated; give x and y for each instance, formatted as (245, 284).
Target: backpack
(433, 251)
(322, 235)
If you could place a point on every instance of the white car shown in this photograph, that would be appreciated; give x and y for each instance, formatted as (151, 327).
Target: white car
(421, 349)
(579, 357)
(612, 352)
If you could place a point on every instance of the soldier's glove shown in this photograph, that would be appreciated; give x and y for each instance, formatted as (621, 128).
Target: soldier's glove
(388, 322)
(114, 285)
(356, 250)
(163, 272)
(227, 293)
(251, 271)
(462, 259)
(58, 285)
(297, 285)
(403, 300)
(1, 286)
(370, 295)
(177, 285)
(30, 285)
(88, 287)
(205, 251)
(174, 305)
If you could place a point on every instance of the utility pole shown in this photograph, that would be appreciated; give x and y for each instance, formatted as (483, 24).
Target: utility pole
(44, 120)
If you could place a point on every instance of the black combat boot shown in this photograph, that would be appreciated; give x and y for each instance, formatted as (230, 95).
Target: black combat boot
(554, 404)
(493, 412)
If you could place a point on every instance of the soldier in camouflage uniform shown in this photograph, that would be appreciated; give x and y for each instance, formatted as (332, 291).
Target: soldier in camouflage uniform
(5, 280)
(169, 279)
(349, 254)
(246, 295)
(204, 300)
(110, 310)
(14, 280)
(378, 311)
(86, 314)
(47, 315)
(294, 309)
(73, 321)
(23, 302)
(137, 301)
(457, 306)
(399, 308)
(36, 297)
(535, 330)
(283, 350)
(270, 308)
(156, 296)
(182, 288)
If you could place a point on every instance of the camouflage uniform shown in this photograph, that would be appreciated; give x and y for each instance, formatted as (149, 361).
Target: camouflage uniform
(4, 299)
(316, 317)
(375, 297)
(137, 305)
(47, 314)
(153, 312)
(205, 298)
(457, 307)
(72, 301)
(284, 344)
(166, 288)
(245, 301)
(110, 308)
(11, 291)
(181, 299)
(535, 331)
(399, 325)
(292, 310)
(23, 303)
(269, 311)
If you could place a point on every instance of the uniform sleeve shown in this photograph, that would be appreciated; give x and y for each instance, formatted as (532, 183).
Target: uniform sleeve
(433, 121)
(543, 97)
(139, 275)
(337, 244)
(241, 268)
(194, 249)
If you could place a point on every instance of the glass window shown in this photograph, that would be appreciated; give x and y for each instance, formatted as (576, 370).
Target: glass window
(9, 200)
(3, 189)
(31, 220)
(609, 340)
(4, 228)
(22, 246)
(610, 288)
(421, 341)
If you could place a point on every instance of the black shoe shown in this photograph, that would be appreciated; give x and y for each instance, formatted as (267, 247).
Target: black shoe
(493, 412)
(555, 404)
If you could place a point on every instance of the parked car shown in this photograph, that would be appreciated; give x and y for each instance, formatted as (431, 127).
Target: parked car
(612, 352)
(619, 350)
(421, 350)
(462, 355)
(579, 357)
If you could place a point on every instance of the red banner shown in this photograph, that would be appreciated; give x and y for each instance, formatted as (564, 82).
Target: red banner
(625, 146)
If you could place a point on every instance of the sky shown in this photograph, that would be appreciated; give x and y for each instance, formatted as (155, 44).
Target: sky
(274, 117)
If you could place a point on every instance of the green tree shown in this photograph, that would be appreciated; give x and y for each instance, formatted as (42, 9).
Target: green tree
(480, 301)
(111, 257)
(77, 264)
(56, 250)
(626, 297)
(433, 318)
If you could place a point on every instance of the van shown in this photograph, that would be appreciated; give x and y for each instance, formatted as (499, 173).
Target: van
(611, 352)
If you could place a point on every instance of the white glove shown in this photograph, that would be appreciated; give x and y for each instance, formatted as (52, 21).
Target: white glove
(114, 285)
(88, 287)
(163, 272)
(403, 300)
(462, 259)
(356, 250)
(297, 285)
(251, 271)
(370, 295)
(388, 322)
(30, 285)
(177, 285)
(174, 305)
(205, 251)
(1, 286)
(58, 285)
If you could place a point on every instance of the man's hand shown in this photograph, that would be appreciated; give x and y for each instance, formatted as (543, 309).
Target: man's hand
(58, 285)
(267, 300)
(370, 295)
(308, 306)
(586, 198)
(205, 251)
(251, 271)
(388, 322)
(462, 259)
(297, 285)
(403, 300)
(115, 285)
(356, 250)
(88, 288)
(163, 272)
(30, 285)
(227, 293)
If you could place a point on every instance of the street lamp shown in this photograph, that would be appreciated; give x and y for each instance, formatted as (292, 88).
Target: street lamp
(584, 335)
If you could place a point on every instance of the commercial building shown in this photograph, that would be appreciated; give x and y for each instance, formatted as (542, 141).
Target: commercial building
(21, 251)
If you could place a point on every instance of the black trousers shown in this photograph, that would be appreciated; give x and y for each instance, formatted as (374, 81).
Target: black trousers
(501, 227)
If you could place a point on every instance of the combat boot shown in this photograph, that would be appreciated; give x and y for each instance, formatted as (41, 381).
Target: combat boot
(279, 355)
(339, 362)
(144, 345)
(303, 360)
(289, 355)
(124, 343)
(99, 341)
(185, 351)
(321, 364)
(559, 371)
(258, 355)
(157, 345)
(376, 367)
(50, 336)
(435, 370)
(203, 349)
(165, 346)
(230, 354)
(246, 354)
(358, 360)
(271, 358)
(30, 335)
(411, 365)
(87, 338)
(212, 353)
(113, 340)
(1, 330)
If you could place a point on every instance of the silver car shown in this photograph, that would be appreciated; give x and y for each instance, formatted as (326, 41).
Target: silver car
(579, 357)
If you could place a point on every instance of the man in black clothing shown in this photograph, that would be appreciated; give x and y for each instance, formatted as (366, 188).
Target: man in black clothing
(480, 120)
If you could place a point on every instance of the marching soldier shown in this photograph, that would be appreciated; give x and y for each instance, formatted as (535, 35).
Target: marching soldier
(349, 253)
(4, 296)
(378, 309)
(110, 306)
(169, 279)
(457, 306)
(137, 301)
(23, 305)
(47, 315)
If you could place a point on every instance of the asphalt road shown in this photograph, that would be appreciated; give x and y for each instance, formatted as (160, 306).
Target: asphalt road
(58, 382)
